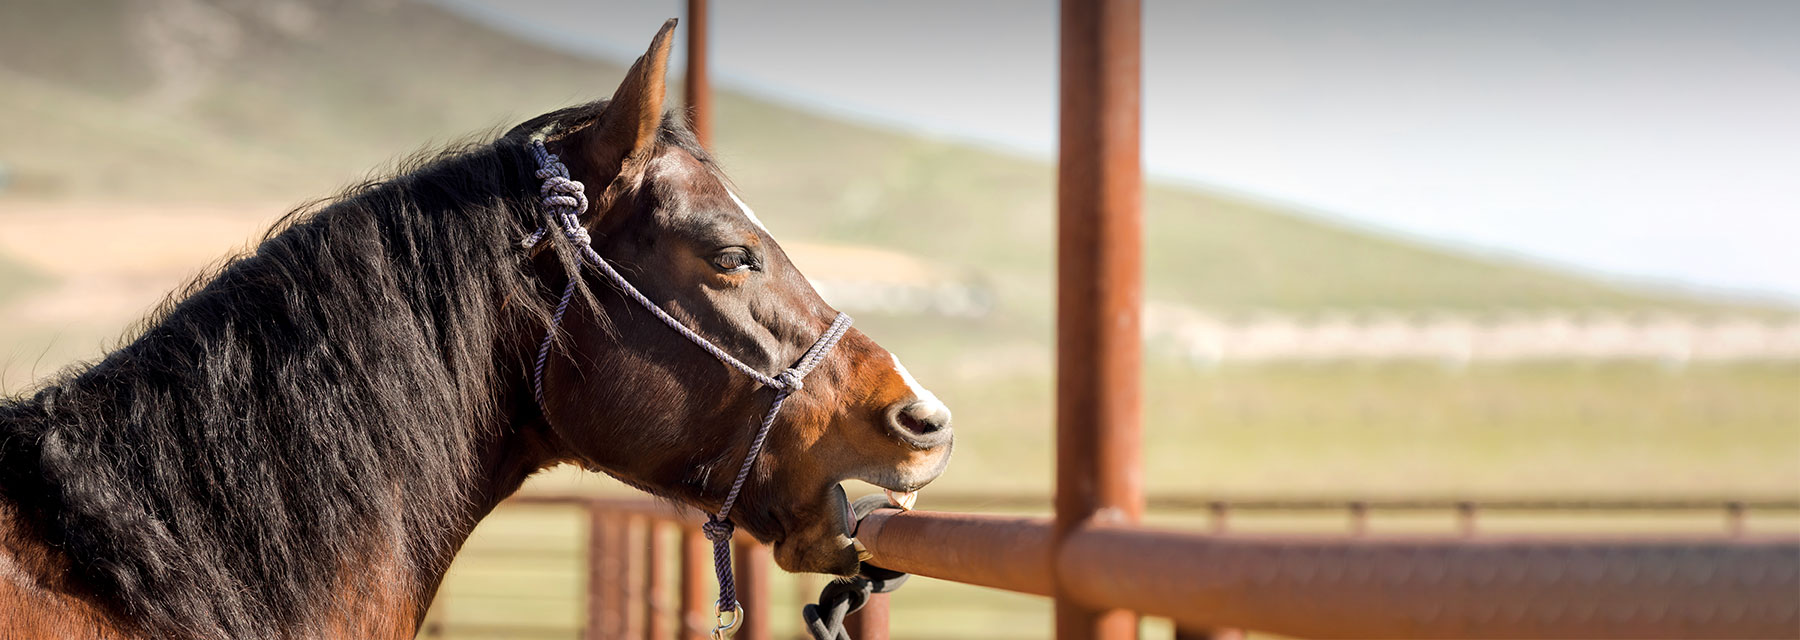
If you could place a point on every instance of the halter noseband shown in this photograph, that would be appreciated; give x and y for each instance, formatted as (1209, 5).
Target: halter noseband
(564, 201)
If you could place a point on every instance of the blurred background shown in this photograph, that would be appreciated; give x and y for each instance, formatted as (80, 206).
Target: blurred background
(1523, 251)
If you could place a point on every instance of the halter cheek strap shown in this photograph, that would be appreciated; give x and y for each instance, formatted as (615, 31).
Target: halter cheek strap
(564, 200)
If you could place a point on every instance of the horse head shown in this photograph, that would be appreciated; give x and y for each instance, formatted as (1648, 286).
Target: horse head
(627, 395)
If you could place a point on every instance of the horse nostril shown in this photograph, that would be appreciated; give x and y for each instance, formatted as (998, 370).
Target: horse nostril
(926, 424)
(914, 424)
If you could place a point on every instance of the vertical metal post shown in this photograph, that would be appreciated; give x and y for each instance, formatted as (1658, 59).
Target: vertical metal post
(871, 621)
(634, 594)
(697, 602)
(656, 569)
(752, 565)
(698, 88)
(1099, 286)
(602, 583)
(596, 570)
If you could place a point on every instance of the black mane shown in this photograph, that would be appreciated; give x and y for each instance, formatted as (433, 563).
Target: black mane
(213, 477)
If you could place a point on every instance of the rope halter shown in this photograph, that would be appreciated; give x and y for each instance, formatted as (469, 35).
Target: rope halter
(564, 200)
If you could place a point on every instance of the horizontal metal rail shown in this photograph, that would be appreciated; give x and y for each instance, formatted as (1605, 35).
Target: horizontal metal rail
(1733, 511)
(1202, 502)
(1497, 587)
(987, 550)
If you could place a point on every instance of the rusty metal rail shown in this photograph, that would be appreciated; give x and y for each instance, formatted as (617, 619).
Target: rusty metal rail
(1170, 502)
(1310, 586)
(1369, 587)
(1734, 511)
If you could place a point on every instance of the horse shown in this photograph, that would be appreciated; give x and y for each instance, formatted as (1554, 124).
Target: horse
(296, 445)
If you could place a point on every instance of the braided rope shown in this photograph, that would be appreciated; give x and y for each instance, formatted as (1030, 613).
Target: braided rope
(543, 356)
(564, 200)
(718, 527)
(844, 596)
(841, 597)
(789, 383)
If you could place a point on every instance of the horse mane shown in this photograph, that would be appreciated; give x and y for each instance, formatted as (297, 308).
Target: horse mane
(218, 475)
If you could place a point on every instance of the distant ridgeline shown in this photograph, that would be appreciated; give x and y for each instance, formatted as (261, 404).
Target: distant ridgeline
(906, 285)
(1669, 337)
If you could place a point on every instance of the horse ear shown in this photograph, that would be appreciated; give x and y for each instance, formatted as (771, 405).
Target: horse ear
(630, 123)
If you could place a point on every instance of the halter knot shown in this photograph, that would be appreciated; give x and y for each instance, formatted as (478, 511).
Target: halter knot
(717, 530)
(564, 199)
(577, 234)
(789, 380)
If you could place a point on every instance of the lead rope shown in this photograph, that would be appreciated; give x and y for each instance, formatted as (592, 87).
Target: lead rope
(841, 597)
(564, 200)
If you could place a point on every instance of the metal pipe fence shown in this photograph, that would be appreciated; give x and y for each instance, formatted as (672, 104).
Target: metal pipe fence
(1727, 584)
(1104, 571)
(1344, 587)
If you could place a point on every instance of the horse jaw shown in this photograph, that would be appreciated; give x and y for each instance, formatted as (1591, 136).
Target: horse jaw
(823, 545)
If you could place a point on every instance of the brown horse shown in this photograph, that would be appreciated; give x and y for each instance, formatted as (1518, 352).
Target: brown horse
(297, 446)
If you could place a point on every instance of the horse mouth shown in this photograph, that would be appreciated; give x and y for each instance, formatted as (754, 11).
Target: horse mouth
(822, 543)
(819, 538)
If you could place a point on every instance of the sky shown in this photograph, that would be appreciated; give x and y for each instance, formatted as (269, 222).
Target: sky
(1640, 139)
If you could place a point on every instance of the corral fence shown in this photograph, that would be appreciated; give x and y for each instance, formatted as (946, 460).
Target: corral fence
(648, 569)
(638, 551)
(1104, 570)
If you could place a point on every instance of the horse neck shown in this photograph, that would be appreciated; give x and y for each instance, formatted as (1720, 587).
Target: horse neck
(298, 448)
(390, 595)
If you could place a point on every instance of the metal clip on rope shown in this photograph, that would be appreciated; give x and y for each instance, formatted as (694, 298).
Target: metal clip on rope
(726, 624)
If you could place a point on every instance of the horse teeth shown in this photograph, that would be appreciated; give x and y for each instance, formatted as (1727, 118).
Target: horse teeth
(904, 500)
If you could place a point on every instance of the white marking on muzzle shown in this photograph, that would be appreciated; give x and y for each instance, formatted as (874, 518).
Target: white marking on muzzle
(924, 395)
(746, 209)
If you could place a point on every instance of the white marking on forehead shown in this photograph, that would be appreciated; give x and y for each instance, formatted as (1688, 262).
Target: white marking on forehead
(923, 394)
(746, 209)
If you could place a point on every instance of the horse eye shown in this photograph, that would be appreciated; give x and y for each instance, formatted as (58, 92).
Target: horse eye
(731, 260)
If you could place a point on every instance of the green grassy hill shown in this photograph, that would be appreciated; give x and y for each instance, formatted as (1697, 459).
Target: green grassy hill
(293, 116)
